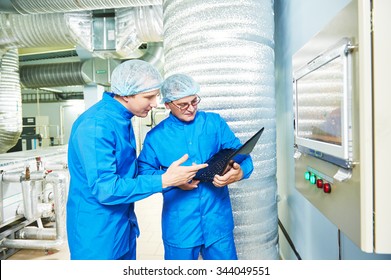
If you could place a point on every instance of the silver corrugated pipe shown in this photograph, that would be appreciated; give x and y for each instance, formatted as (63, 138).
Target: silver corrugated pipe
(10, 101)
(59, 6)
(60, 182)
(78, 73)
(228, 47)
(149, 23)
(155, 55)
(52, 75)
(63, 24)
(132, 30)
(50, 30)
(135, 26)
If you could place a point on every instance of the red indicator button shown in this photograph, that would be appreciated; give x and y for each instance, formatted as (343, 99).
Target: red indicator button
(319, 183)
(327, 188)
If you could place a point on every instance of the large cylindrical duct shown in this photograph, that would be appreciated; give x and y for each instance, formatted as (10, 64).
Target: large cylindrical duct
(10, 101)
(135, 26)
(155, 55)
(81, 73)
(50, 30)
(149, 23)
(60, 6)
(228, 47)
(52, 75)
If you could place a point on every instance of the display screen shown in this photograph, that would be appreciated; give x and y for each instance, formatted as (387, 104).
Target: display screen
(319, 103)
(323, 101)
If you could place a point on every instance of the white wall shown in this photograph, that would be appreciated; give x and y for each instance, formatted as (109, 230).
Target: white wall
(61, 116)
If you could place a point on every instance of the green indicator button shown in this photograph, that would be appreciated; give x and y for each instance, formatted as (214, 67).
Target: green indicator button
(307, 175)
(312, 179)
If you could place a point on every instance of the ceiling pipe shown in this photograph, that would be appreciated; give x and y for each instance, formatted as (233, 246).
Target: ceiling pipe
(52, 75)
(82, 73)
(7, 7)
(60, 6)
(10, 101)
(155, 55)
(49, 30)
(135, 26)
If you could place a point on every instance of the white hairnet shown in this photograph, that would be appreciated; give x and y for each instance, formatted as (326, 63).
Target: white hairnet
(178, 86)
(135, 76)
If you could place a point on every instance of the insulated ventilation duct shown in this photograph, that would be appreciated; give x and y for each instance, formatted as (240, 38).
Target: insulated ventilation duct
(10, 101)
(95, 70)
(52, 75)
(155, 55)
(49, 30)
(61, 6)
(228, 47)
(135, 26)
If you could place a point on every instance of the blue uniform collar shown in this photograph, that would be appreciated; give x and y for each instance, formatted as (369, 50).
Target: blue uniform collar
(109, 98)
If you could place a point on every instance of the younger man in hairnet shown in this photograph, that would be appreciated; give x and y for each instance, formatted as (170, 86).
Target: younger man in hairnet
(197, 216)
(101, 223)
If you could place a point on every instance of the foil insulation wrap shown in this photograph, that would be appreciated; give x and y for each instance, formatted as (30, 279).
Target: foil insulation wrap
(137, 25)
(228, 47)
(10, 100)
(49, 30)
(59, 6)
(44, 75)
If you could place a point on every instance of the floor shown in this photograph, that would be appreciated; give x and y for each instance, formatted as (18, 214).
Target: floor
(149, 244)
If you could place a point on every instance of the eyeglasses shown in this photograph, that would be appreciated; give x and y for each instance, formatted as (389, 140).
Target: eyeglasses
(185, 106)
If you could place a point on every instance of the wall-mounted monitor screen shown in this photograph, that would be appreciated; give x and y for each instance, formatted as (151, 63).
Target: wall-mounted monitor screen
(322, 103)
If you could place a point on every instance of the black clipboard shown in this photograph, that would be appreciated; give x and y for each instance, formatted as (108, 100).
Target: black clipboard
(219, 162)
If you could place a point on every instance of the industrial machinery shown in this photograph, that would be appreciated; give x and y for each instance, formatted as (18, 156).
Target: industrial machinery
(34, 187)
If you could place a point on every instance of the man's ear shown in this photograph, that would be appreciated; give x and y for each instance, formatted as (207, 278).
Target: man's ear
(166, 104)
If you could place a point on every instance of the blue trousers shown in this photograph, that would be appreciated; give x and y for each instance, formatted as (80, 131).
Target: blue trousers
(223, 249)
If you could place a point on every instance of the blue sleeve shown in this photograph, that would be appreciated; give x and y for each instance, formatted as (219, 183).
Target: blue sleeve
(109, 183)
(148, 163)
(229, 140)
(247, 167)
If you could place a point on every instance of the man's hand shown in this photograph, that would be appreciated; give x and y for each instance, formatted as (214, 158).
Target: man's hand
(193, 184)
(234, 174)
(177, 175)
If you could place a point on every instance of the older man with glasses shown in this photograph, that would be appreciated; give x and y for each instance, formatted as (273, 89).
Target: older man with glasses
(197, 216)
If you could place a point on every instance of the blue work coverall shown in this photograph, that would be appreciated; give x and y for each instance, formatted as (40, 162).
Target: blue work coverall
(101, 223)
(203, 215)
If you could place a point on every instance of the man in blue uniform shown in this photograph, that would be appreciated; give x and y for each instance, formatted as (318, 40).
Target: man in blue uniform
(197, 216)
(101, 223)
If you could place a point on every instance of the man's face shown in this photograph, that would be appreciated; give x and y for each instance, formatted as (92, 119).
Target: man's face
(185, 108)
(140, 104)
